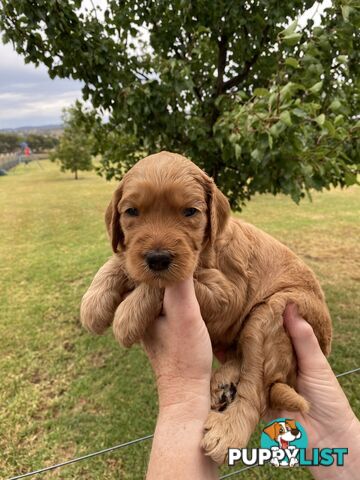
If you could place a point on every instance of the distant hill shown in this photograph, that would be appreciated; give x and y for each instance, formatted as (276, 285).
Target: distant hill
(55, 130)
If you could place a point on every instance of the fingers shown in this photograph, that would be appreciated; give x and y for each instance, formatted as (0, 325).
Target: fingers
(180, 300)
(308, 352)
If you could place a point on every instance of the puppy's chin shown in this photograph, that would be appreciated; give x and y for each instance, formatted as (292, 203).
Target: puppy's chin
(176, 272)
(158, 279)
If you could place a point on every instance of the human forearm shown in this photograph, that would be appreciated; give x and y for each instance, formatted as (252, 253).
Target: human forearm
(176, 452)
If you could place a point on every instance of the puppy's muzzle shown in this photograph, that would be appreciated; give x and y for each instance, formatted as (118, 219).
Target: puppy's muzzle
(158, 260)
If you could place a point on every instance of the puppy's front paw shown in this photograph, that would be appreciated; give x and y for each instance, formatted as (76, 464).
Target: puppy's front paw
(228, 429)
(96, 312)
(220, 435)
(215, 443)
(125, 325)
(135, 313)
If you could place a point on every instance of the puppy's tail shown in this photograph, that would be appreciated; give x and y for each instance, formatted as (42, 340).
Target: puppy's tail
(282, 396)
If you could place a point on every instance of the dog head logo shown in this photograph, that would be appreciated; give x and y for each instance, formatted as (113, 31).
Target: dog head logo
(284, 437)
(283, 432)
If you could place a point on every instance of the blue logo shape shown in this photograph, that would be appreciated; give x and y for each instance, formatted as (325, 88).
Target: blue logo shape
(281, 435)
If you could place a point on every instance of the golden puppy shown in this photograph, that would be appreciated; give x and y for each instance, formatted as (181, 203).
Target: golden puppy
(168, 220)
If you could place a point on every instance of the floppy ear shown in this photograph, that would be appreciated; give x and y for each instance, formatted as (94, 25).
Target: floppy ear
(218, 209)
(292, 424)
(272, 431)
(112, 220)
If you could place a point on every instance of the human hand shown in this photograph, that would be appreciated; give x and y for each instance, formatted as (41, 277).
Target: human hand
(179, 347)
(330, 421)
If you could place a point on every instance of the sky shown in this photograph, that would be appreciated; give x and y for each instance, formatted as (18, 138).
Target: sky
(28, 97)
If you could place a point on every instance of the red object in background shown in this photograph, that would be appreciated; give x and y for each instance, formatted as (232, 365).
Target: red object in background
(27, 152)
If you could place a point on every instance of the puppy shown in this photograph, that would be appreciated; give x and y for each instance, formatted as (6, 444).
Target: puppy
(283, 433)
(167, 220)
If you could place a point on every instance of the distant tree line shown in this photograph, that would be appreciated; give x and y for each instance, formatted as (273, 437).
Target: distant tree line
(10, 142)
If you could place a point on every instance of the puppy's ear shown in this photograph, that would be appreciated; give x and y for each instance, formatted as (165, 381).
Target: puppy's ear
(218, 208)
(272, 431)
(112, 220)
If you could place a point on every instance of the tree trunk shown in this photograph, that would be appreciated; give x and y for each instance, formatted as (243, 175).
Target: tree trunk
(76, 175)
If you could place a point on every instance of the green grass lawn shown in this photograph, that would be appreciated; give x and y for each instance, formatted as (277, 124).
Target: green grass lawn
(63, 392)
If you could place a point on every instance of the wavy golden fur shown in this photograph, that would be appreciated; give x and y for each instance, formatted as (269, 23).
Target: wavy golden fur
(243, 280)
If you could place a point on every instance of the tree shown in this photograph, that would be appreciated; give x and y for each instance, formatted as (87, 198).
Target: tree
(9, 142)
(39, 143)
(74, 149)
(262, 108)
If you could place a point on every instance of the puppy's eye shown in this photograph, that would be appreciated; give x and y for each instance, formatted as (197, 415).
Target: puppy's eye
(190, 212)
(132, 212)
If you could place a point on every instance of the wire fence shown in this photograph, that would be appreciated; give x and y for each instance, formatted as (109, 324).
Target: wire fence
(133, 442)
(11, 160)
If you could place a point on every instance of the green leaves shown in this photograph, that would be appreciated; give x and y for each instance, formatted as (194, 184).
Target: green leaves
(292, 62)
(290, 29)
(261, 92)
(316, 88)
(237, 151)
(288, 36)
(320, 120)
(291, 40)
(285, 117)
(346, 10)
(335, 105)
(260, 107)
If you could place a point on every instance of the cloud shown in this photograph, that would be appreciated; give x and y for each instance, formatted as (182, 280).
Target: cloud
(28, 97)
(20, 110)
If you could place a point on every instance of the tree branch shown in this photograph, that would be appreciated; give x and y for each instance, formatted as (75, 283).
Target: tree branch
(222, 44)
(238, 79)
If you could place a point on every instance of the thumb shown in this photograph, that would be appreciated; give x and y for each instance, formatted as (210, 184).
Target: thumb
(307, 348)
(180, 301)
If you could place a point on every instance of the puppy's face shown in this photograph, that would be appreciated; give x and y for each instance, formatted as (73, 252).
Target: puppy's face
(160, 219)
(163, 227)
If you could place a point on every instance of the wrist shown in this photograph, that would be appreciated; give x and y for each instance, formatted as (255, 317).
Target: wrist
(351, 435)
(350, 440)
(187, 399)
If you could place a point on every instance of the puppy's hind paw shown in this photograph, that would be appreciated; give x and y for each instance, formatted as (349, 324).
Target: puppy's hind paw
(223, 385)
(222, 396)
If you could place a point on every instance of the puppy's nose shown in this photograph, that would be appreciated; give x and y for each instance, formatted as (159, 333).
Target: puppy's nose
(158, 259)
(295, 431)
